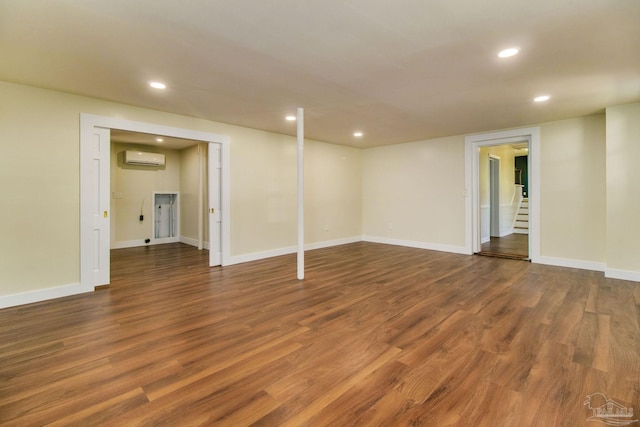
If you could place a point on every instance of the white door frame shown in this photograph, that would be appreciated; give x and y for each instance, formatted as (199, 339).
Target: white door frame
(87, 124)
(473, 143)
(494, 197)
(215, 168)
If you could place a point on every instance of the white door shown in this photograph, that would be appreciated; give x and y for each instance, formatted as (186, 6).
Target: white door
(215, 214)
(100, 205)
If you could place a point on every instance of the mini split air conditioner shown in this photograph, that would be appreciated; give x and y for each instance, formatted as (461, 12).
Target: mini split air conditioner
(144, 159)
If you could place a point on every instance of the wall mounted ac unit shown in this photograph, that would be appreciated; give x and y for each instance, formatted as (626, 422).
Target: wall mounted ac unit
(144, 159)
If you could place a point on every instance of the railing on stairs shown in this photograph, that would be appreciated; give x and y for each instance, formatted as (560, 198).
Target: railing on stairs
(521, 218)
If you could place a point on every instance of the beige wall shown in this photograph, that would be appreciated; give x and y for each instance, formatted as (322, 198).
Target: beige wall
(334, 180)
(40, 173)
(410, 192)
(189, 196)
(623, 189)
(136, 185)
(506, 153)
(573, 194)
(265, 193)
(415, 192)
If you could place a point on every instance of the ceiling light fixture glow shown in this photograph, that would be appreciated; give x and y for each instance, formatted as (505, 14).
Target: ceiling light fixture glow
(512, 51)
(541, 98)
(159, 139)
(358, 134)
(290, 118)
(157, 85)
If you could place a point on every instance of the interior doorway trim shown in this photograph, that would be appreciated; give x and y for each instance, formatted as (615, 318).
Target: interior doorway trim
(494, 198)
(473, 143)
(88, 123)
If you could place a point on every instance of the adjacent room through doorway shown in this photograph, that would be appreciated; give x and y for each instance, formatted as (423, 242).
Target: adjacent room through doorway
(208, 159)
(503, 198)
(159, 194)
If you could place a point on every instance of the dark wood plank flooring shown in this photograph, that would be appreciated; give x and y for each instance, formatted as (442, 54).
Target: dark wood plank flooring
(515, 246)
(375, 335)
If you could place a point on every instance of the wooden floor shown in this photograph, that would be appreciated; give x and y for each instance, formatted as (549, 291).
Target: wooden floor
(515, 246)
(375, 335)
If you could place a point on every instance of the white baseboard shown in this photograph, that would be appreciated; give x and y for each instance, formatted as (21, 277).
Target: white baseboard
(613, 273)
(330, 243)
(163, 240)
(193, 242)
(74, 289)
(419, 245)
(571, 263)
(43, 295)
(123, 244)
(255, 256)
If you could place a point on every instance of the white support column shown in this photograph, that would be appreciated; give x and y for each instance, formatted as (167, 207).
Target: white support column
(300, 123)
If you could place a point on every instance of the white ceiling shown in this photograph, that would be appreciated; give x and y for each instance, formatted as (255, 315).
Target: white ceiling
(399, 71)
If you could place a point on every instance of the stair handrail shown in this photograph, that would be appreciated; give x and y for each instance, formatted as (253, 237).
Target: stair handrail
(517, 191)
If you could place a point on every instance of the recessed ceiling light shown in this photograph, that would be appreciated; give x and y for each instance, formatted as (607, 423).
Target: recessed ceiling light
(512, 51)
(159, 139)
(358, 134)
(541, 98)
(157, 85)
(290, 118)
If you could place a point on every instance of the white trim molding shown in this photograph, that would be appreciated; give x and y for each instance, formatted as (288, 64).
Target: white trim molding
(613, 273)
(473, 143)
(572, 263)
(89, 121)
(418, 245)
(124, 244)
(193, 242)
(43, 295)
(256, 256)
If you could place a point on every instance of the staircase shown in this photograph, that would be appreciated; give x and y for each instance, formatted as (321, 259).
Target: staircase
(521, 226)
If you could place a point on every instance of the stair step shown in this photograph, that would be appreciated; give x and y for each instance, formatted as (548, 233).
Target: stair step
(521, 224)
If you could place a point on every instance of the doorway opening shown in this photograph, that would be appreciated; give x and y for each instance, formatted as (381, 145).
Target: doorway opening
(95, 191)
(503, 204)
(502, 212)
(158, 186)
